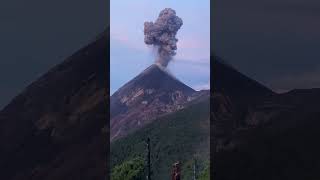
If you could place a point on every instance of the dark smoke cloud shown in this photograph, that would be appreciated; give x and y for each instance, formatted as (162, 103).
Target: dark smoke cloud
(162, 34)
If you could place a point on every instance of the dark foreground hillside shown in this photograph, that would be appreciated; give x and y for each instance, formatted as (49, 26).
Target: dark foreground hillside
(56, 128)
(179, 136)
(260, 135)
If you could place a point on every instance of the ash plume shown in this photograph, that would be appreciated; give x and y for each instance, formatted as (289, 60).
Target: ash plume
(162, 34)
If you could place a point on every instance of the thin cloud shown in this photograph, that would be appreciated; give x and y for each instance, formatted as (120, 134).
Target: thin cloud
(200, 87)
(188, 43)
(121, 37)
(196, 61)
(126, 42)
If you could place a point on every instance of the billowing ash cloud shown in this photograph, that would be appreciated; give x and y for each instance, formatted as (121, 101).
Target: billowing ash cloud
(162, 34)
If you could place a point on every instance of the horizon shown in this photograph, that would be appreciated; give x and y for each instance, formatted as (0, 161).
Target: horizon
(169, 73)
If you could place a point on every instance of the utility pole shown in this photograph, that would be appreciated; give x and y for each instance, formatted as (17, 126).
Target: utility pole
(149, 164)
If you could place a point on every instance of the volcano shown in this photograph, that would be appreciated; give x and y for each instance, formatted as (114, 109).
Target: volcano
(152, 93)
(259, 134)
(229, 81)
(57, 128)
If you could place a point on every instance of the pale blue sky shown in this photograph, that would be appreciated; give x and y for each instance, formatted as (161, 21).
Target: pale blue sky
(130, 56)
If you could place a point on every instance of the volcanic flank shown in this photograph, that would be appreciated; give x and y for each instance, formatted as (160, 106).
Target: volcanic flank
(258, 134)
(56, 128)
(152, 93)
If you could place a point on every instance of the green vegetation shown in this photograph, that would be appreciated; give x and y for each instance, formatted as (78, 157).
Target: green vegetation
(129, 170)
(205, 174)
(180, 136)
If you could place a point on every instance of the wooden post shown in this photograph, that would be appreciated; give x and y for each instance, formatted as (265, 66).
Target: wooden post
(194, 170)
(149, 164)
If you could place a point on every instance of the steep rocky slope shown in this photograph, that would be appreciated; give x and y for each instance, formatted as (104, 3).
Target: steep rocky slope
(57, 127)
(152, 93)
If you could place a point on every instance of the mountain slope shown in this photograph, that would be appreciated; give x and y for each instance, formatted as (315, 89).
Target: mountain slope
(229, 81)
(263, 135)
(56, 128)
(181, 135)
(152, 93)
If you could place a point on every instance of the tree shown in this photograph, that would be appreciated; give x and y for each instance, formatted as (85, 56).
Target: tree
(129, 170)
